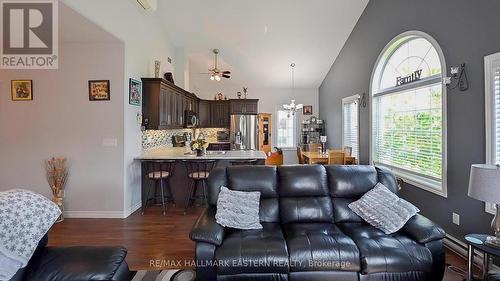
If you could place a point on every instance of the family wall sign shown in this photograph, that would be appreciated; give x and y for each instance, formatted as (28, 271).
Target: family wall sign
(415, 76)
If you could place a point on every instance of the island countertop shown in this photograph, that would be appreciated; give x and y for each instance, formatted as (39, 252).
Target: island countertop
(179, 153)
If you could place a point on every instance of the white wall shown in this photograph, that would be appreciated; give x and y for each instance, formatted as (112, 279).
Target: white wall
(145, 41)
(61, 121)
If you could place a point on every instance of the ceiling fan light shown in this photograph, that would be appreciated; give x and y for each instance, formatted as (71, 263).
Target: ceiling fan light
(212, 78)
(217, 77)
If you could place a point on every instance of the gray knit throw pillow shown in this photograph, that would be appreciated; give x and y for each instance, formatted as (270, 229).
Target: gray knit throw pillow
(238, 209)
(384, 209)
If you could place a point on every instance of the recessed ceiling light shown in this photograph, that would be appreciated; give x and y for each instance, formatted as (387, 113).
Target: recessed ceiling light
(265, 29)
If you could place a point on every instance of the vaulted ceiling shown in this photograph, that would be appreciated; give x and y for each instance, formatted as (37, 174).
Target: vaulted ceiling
(259, 39)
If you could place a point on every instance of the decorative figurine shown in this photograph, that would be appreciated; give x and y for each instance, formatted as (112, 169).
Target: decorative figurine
(245, 91)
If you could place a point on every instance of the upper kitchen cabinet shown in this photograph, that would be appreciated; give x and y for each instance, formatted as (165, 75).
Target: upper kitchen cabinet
(164, 104)
(219, 112)
(243, 106)
(204, 113)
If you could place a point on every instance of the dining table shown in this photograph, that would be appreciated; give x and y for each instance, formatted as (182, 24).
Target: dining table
(315, 157)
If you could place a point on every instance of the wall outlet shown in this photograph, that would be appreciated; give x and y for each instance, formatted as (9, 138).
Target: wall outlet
(456, 218)
(110, 142)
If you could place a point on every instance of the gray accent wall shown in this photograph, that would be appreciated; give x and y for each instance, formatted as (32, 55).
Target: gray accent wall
(466, 30)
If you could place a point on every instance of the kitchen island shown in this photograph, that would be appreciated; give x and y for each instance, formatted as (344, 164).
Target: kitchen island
(179, 181)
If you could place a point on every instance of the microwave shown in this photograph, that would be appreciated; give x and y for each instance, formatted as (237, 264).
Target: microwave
(190, 119)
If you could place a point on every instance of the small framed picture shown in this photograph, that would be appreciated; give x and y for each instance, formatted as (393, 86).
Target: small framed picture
(21, 90)
(134, 92)
(307, 110)
(99, 90)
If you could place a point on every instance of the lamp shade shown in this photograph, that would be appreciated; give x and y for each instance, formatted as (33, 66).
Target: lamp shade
(484, 183)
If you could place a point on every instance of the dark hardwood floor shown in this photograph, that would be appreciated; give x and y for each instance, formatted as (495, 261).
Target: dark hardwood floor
(149, 238)
(153, 241)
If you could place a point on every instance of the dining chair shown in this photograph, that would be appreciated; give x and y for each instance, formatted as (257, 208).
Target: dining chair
(314, 147)
(348, 151)
(336, 158)
(299, 155)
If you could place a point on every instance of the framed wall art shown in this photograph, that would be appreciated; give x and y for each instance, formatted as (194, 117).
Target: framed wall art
(21, 90)
(99, 90)
(134, 92)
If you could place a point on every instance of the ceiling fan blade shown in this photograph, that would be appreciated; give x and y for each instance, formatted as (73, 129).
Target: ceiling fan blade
(226, 76)
(226, 72)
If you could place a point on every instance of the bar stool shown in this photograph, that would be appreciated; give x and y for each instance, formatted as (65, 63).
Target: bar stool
(198, 172)
(245, 162)
(158, 173)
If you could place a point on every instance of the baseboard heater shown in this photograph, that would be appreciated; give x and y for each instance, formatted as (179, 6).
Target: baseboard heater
(460, 248)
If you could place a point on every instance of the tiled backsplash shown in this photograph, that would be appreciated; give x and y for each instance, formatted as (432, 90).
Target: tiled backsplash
(156, 138)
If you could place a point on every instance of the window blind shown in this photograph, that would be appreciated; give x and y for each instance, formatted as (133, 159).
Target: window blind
(496, 88)
(407, 130)
(350, 126)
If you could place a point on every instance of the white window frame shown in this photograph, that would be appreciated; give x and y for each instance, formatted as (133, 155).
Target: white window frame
(276, 128)
(434, 187)
(347, 100)
(489, 117)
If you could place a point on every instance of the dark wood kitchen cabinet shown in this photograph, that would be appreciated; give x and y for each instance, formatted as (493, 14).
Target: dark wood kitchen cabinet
(243, 106)
(204, 113)
(164, 104)
(219, 112)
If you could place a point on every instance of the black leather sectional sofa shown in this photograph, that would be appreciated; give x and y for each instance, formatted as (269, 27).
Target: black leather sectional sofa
(79, 263)
(309, 233)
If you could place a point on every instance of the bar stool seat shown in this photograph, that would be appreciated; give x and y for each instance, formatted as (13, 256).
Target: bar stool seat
(197, 172)
(159, 175)
(199, 175)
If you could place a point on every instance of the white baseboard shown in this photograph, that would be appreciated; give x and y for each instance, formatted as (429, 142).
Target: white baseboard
(94, 214)
(132, 209)
(102, 214)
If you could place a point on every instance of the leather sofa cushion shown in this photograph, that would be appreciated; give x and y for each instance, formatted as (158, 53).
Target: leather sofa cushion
(348, 183)
(380, 252)
(302, 181)
(80, 263)
(253, 251)
(304, 194)
(259, 178)
(320, 247)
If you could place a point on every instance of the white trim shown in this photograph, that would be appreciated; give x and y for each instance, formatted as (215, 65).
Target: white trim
(346, 100)
(132, 209)
(102, 214)
(489, 116)
(434, 43)
(94, 214)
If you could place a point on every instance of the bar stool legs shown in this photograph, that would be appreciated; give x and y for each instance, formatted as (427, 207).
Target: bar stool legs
(158, 174)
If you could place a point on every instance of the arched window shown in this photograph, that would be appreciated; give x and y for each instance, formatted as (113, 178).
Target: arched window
(409, 111)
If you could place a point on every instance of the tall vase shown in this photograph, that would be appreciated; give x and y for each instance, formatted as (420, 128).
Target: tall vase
(199, 152)
(58, 200)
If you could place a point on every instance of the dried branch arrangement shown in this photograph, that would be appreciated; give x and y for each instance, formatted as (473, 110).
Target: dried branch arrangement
(57, 174)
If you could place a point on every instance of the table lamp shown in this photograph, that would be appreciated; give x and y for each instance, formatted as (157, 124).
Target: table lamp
(484, 185)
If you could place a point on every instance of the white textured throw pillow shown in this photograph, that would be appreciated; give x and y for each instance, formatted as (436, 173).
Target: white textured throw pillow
(384, 209)
(238, 209)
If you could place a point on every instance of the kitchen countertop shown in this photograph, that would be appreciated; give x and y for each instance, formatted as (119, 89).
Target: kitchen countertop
(178, 153)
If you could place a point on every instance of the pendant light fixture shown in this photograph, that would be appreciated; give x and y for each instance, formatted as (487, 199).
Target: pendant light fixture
(292, 107)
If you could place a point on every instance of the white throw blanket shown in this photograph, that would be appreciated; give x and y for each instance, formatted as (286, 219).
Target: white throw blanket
(25, 217)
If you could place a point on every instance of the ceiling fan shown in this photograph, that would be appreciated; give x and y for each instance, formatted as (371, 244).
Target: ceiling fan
(215, 73)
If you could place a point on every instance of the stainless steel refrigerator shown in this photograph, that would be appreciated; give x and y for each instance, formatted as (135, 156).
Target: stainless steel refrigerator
(244, 132)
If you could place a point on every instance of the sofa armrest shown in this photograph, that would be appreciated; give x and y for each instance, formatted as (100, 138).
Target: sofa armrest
(206, 229)
(423, 230)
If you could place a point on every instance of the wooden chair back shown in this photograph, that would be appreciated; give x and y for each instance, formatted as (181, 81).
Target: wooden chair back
(314, 147)
(348, 151)
(299, 155)
(336, 158)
